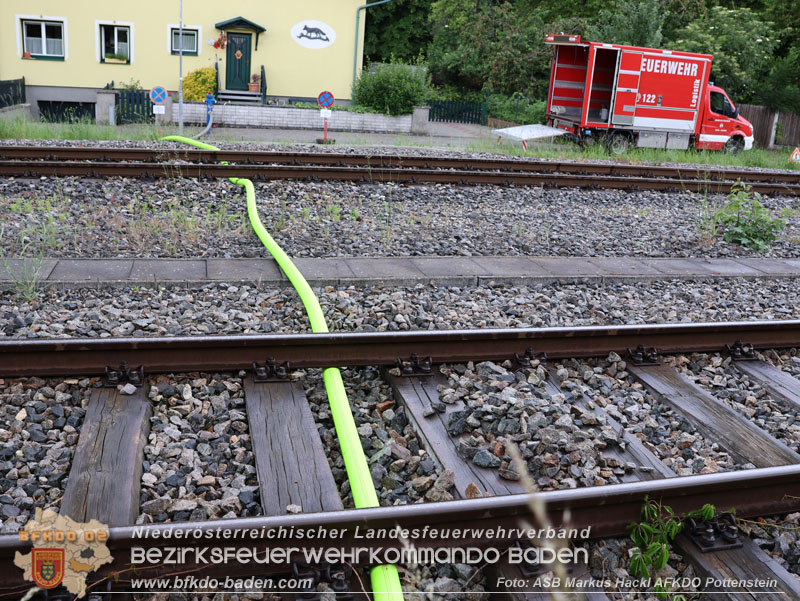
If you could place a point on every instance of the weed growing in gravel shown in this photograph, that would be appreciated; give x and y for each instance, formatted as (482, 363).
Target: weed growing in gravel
(652, 536)
(26, 276)
(708, 210)
(746, 221)
(386, 222)
(355, 214)
(335, 212)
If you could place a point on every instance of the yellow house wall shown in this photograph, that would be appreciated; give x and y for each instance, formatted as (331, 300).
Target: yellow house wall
(291, 69)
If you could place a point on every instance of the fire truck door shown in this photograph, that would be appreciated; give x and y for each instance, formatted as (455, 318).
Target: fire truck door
(627, 87)
(718, 123)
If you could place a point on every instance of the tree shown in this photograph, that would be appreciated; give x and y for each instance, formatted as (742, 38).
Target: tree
(742, 46)
(397, 29)
(631, 22)
(781, 89)
(497, 47)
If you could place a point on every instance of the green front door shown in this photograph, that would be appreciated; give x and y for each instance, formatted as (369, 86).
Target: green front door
(237, 68)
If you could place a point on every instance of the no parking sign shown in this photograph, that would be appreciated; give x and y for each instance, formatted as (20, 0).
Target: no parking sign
(325, 100)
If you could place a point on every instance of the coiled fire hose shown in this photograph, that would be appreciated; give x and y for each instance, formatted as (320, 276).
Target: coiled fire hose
(385, 578)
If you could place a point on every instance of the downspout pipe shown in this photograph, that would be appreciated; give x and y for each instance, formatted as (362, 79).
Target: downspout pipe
(355, 52)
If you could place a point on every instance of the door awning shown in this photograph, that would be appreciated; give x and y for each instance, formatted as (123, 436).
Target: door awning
(241, 23)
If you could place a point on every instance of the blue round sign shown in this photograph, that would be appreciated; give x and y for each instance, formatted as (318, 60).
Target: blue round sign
(158, 95)
(325, 100)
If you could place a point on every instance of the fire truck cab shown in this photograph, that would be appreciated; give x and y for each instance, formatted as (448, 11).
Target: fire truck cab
(646, 97)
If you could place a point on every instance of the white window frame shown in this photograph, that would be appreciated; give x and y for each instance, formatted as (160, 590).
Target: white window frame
(98, 44)
(19, 19)
(196, 28)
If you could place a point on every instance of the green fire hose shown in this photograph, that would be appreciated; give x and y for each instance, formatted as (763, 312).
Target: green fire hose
(385, 579)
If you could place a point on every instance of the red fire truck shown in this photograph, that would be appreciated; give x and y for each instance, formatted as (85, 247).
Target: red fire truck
(645, 97)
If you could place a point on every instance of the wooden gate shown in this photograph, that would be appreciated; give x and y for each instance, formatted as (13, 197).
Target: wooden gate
(134, 107)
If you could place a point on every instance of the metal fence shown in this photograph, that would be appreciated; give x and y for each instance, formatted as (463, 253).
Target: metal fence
(787, 130)
(458, 112)
(12, 91)
(134, 106)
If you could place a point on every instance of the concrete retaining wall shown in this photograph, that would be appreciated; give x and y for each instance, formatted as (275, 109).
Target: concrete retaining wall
(16, 111)
(242, 115)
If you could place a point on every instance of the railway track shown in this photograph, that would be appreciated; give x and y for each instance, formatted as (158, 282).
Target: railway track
(279, 416)
(107, 162)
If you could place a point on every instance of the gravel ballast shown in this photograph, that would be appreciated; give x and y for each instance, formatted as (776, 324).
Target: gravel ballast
(73, 217)
(40, 421)
(198, 463)
(227, 309)
(718, 375)
(778, 537)
(664, 432)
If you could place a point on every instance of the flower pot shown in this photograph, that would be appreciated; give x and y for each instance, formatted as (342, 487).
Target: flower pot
(26, 54)
(253, 87)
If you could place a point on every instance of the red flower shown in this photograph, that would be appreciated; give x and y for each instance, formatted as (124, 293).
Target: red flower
(221, 41)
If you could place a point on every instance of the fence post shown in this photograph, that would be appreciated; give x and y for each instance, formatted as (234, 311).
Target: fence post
(773, 130)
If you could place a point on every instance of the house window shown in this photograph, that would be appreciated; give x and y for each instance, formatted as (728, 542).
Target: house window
(43, 39)
(190, 37)
(115, 44)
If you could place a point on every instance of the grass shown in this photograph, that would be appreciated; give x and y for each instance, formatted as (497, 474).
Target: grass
(26, 278)
(769, 159)
(20, 128)
(80, 129)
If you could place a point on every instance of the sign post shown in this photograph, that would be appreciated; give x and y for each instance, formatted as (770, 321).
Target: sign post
(158, 96)
(325, 100)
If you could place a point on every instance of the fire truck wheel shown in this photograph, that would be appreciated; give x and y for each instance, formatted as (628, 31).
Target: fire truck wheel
(618, 142)
(734, 145)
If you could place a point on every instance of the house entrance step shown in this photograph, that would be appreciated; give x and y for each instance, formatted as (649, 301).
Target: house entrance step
(238, 96)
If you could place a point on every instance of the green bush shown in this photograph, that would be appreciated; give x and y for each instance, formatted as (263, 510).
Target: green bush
(516, 109)
(746, 221)
(199, 83)
(392, 89)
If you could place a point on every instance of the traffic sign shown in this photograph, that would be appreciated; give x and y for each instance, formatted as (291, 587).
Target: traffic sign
(325, 113)
(325, 100)
(158, 95)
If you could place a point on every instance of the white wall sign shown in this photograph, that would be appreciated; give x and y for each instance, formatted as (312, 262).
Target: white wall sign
(313, 34)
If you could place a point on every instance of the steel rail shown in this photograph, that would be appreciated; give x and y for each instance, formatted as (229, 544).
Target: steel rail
(84, 356)
(705, 172)
(377, 175)
(607, 510)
